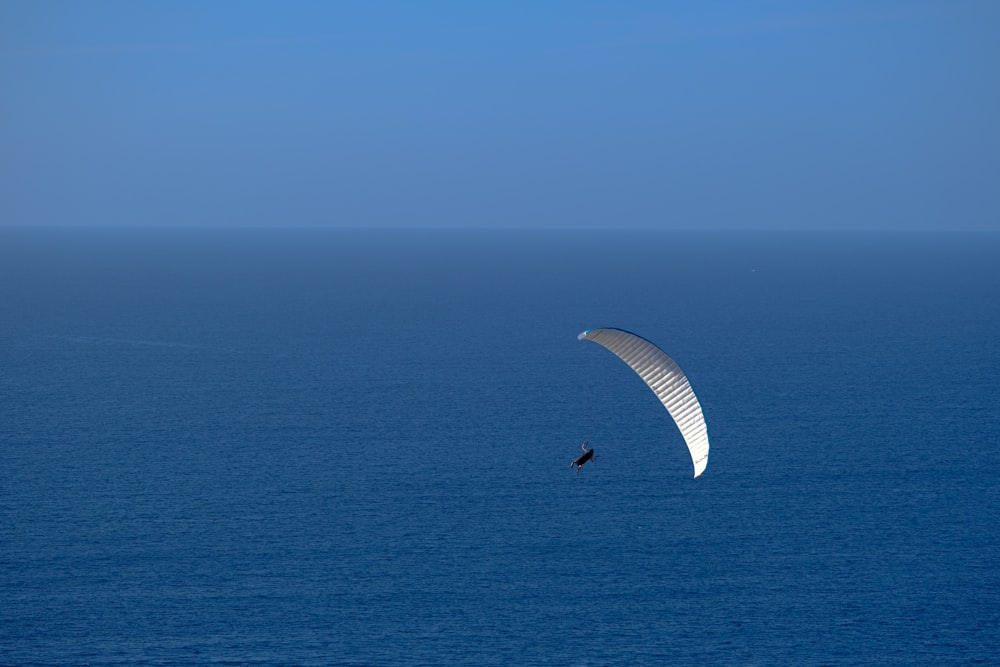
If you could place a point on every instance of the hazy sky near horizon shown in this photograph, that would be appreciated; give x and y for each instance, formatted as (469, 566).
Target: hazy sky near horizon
(781, 114)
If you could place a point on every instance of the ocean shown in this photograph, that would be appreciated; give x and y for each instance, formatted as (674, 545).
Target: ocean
(346, 447)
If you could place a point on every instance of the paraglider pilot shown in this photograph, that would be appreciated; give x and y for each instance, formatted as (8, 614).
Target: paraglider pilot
(588, 455)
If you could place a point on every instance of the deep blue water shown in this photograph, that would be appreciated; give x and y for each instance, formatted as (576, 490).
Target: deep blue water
(313, 447)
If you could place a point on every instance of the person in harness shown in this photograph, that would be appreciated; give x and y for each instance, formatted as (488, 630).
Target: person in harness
(588, 455)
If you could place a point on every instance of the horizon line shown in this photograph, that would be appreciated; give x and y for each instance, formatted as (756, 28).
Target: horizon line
(494, 228)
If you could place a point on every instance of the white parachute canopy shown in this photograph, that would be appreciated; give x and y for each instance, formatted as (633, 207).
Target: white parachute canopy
(667, 381)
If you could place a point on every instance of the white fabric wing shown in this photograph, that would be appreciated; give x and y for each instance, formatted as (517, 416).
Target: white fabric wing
(667, 381)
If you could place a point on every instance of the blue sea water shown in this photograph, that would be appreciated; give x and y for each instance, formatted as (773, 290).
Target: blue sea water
(331, 447)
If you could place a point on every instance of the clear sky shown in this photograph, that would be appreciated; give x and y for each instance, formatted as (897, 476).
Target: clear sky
(672, 114)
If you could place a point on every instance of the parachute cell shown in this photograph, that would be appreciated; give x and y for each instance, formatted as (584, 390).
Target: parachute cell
(666, 379)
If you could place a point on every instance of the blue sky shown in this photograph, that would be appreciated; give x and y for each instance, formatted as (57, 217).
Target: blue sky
(503, 114)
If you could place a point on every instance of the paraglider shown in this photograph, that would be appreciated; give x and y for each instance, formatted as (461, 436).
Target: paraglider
(666, 379)
(588, 455)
